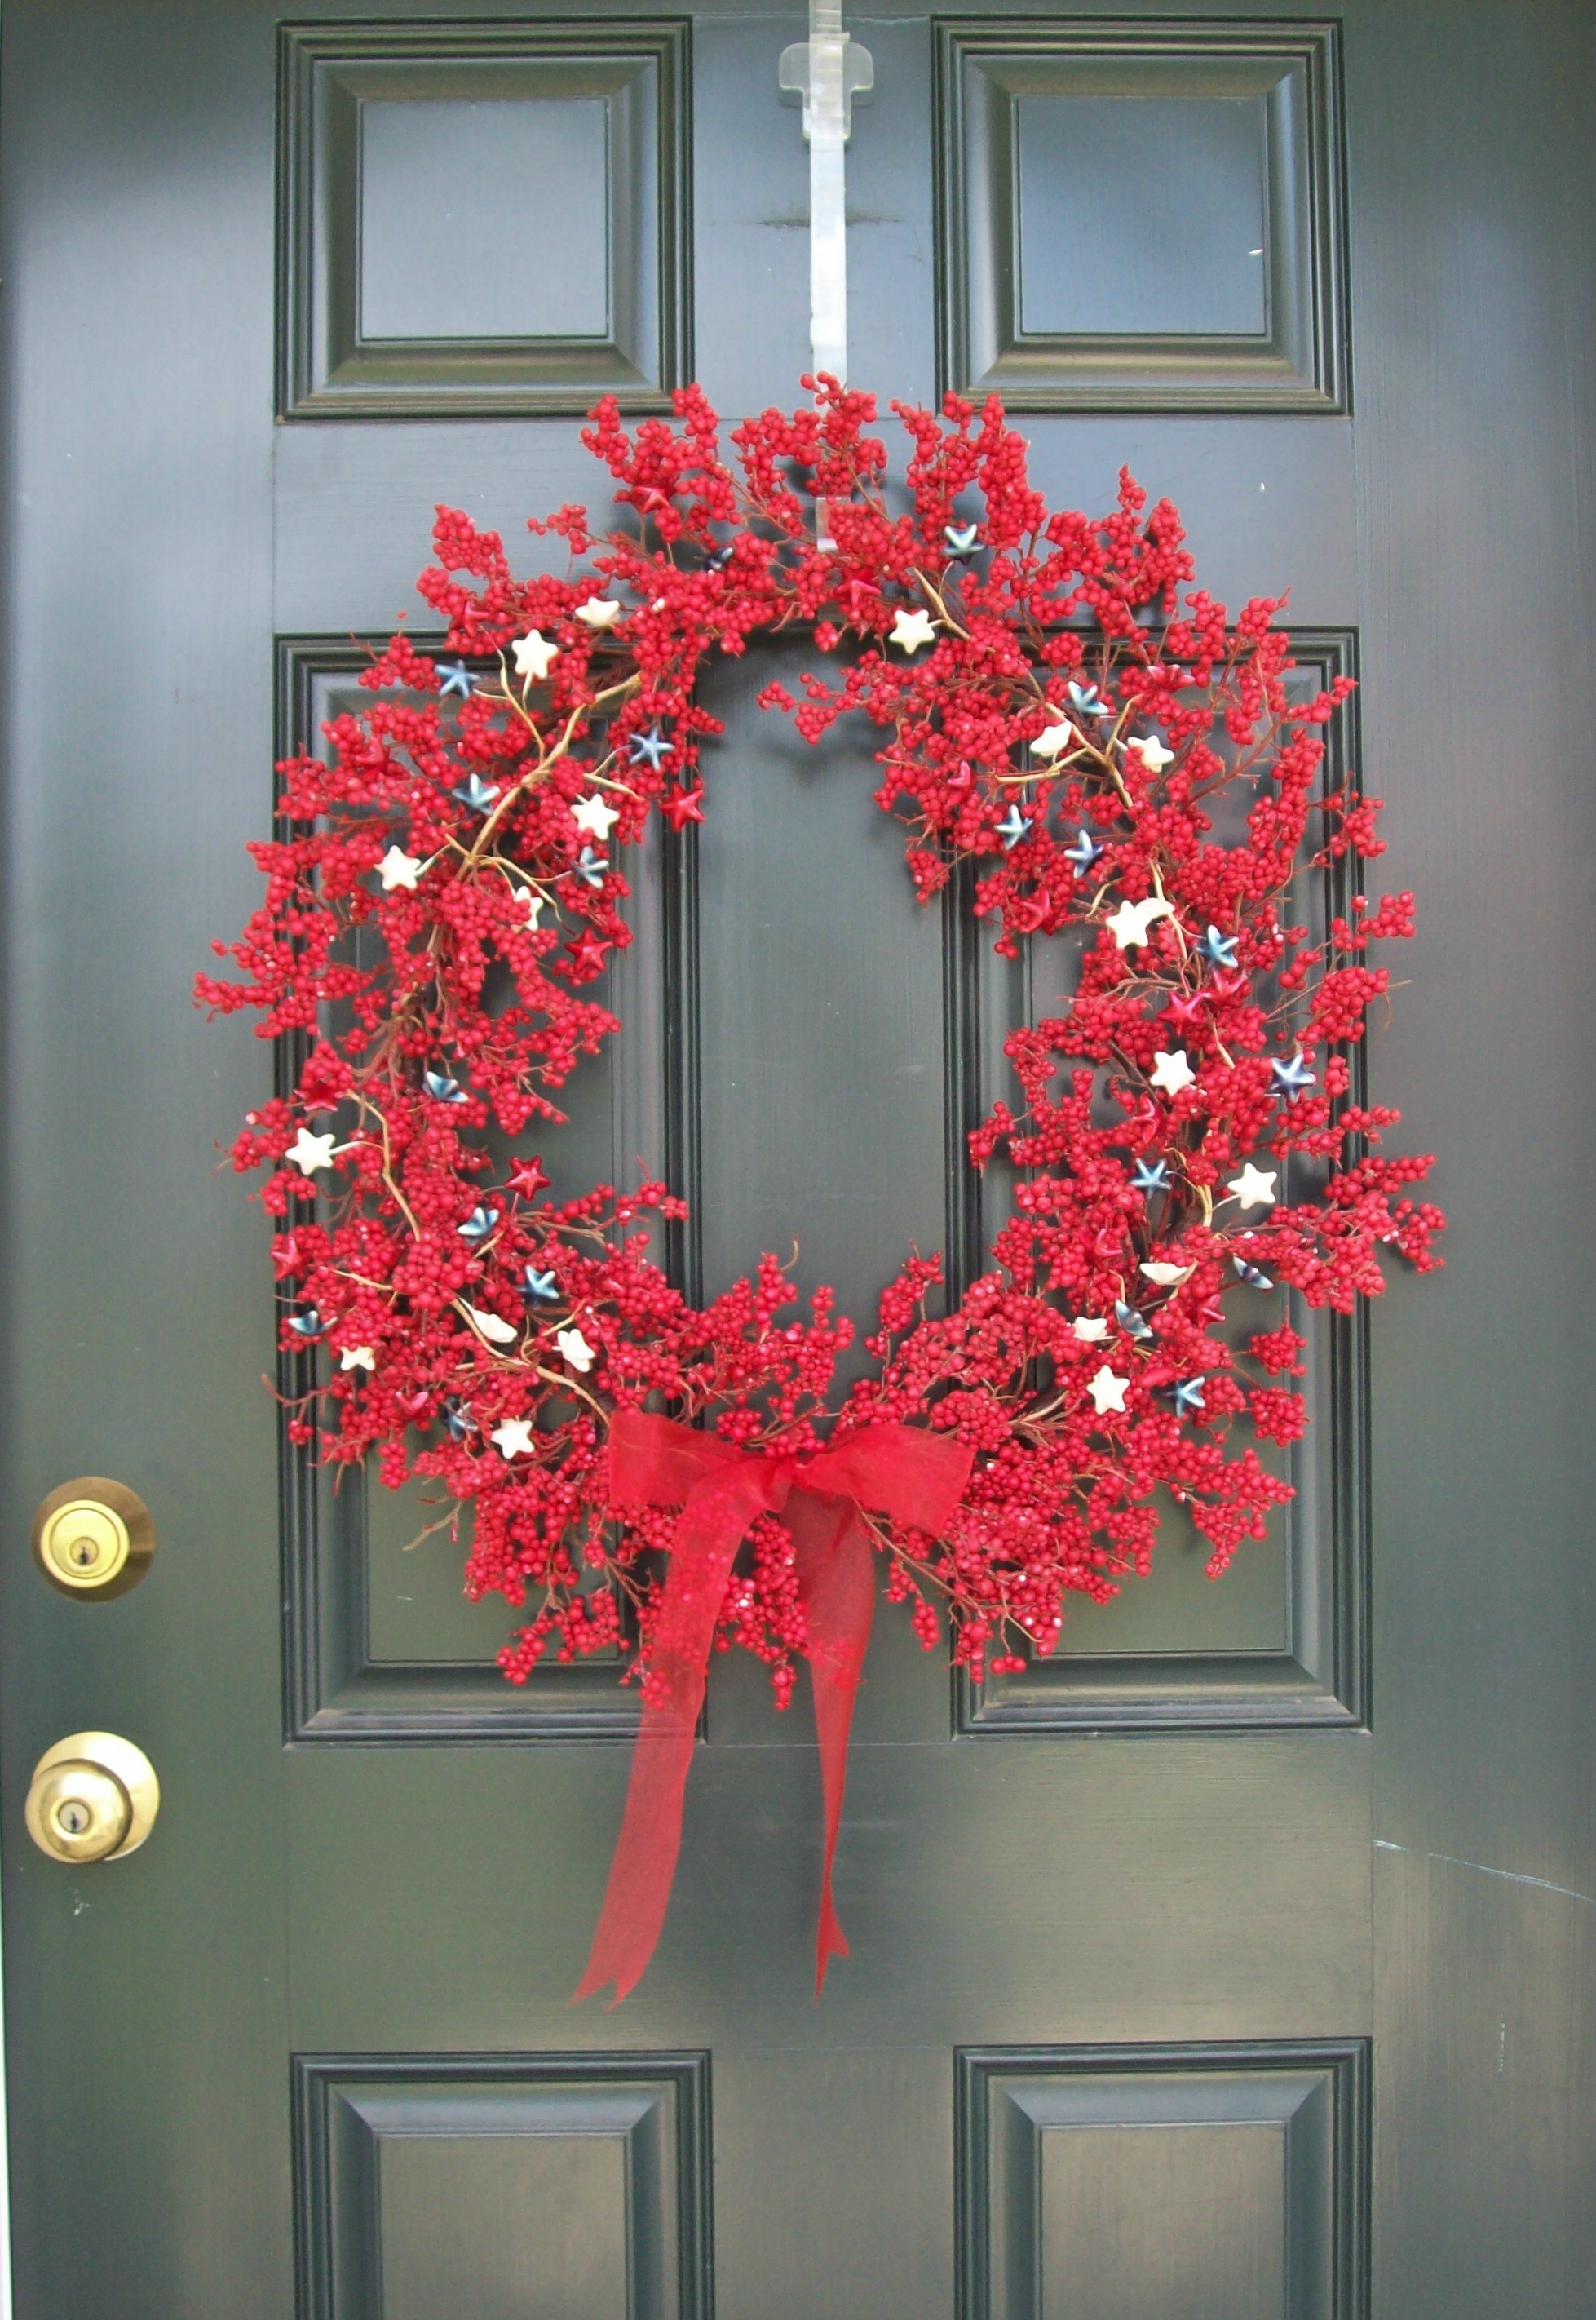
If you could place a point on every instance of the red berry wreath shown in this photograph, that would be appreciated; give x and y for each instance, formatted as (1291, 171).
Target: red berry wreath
(1059, 709)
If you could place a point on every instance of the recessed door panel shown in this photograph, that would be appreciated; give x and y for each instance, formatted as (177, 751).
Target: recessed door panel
(1142, 217)
(481, 217)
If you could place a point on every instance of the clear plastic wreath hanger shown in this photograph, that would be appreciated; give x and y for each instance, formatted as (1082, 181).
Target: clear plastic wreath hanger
(827, 71)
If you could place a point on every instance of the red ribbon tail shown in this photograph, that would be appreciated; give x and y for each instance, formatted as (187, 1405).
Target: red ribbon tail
(645, 1865)
(836, 1579)
(638, 1893)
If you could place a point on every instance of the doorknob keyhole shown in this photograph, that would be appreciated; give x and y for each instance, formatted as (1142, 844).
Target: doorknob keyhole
(92, 1538)
(94, 1797)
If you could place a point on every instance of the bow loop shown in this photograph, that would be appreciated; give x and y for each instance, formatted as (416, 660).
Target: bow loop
(916, 1478)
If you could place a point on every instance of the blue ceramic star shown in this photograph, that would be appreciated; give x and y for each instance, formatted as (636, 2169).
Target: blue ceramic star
(442, 1088)
(1220, 948)
(1130, 1320)
(649, 748)
(1087, 700)
(1187, 1394)
(1013, 826)
(308, 1324)
(1293, 1076)
(721, 558)
(1250, 1274)
(456, 678)
(458, 1419)
(478, 1225)
(591, 867)
(1151, 1176)
(1083, 853)
(541, 1288)
(475, 792)
(963, 540)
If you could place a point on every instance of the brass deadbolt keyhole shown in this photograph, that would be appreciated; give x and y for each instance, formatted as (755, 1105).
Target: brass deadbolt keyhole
(94, 1537)
(94, 1797)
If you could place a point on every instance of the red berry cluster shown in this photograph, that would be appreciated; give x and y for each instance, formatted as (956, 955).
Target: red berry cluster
(1061, 709)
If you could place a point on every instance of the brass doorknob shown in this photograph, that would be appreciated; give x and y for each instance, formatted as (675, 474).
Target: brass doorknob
(93, 1797)
(94, 1537)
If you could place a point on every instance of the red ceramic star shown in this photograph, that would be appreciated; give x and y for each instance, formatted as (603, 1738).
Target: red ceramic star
(527, 1179)
(1183, 1011)
(683, 806)
(586, 958)
(286, 1257)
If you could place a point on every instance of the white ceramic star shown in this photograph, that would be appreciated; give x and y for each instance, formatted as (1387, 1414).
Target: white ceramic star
(575, 1348)
(1254, 1188)
(1171, 1072)
(397, 869)
(530, 903)
(533, 655)
(1089, 1331)
(912, 629)
(497, 1331)
(598, 612)
(591, 814)
(1166, 1276)
(357, 1357)
(1107, 1392)
(1054, 739)
(309, 1152)
(514, 1437)
(1130, 923)
(1151, 752)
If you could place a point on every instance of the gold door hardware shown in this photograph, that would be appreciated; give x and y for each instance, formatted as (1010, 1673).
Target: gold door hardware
(93, 1798)
(94, 1537)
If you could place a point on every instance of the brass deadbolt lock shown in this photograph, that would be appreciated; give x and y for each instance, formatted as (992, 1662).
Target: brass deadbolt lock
(94, 1537)
(93, 1798)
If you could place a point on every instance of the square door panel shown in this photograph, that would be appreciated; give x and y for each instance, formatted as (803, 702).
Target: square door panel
(381, 1640)
(443, 255)
(1141, 216)
(1281, 1638)
(1109, 246)
(494, 2188)
(1164, 2183)
(482, 218)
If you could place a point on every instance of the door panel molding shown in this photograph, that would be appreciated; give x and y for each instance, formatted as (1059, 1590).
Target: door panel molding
(1176, 321)
(352, 1674)
(368, 328)
(585, 2179)
(1313, 1670)
(1185, 2179)
(359, 1656)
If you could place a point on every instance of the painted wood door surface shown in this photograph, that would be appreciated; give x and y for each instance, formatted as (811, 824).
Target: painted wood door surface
(1234, 1966)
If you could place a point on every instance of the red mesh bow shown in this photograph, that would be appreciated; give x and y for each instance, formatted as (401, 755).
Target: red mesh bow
(916, 1477)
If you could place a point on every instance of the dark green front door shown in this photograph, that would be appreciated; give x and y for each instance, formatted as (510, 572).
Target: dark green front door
(1236, 1965)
